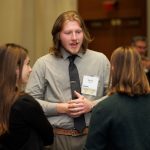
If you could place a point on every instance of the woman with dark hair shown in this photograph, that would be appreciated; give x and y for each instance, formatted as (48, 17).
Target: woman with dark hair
(122, 121)
(23, 125)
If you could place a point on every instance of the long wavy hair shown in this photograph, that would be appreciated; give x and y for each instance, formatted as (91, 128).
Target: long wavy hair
(57, 27)
(127, 73)
(12, 56)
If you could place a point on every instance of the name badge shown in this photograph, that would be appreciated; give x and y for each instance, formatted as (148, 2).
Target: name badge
(89, 85)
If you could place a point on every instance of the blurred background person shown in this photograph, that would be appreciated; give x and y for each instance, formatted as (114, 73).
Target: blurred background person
(140, 45)
(23, 125)
(121, 122)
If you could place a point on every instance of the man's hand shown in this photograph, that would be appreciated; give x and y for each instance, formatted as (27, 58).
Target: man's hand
(79, 106)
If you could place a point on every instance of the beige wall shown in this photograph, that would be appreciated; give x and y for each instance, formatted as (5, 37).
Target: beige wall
(29, 22)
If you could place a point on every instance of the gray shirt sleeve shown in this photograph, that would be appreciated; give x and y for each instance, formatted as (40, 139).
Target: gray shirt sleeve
(36, 87)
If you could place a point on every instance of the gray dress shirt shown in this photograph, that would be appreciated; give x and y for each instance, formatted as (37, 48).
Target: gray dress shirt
(49, 82)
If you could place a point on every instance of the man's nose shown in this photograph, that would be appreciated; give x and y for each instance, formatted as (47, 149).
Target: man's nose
(74, 36)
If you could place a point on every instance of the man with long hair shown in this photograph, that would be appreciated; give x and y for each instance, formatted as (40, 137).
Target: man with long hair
(50, 81)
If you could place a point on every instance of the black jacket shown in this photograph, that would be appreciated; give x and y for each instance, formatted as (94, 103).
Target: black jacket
(29, 128)
(120, 122)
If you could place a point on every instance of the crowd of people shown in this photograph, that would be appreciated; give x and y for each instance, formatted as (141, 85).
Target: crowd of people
(39, 107)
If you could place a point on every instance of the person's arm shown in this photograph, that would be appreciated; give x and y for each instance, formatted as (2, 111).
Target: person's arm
(36, 87)
(99, 100)
(106, 76)
(80, 106)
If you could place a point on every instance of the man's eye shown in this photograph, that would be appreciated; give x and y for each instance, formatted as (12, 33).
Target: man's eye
(78, 32)
(67, 32)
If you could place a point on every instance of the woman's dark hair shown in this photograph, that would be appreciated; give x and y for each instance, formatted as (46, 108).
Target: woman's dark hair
(127, 73)
(12, 57)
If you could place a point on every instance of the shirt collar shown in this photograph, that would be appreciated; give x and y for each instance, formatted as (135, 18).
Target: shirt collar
(66, 54)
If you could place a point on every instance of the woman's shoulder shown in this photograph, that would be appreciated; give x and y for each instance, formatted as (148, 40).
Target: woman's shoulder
(26, 101)
(109, 103)
(120, 100)
(26, 98)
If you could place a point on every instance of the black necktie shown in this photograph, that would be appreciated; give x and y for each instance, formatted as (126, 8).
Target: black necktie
(79, 122)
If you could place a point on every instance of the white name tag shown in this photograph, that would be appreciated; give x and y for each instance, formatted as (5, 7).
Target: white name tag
(89, 85)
